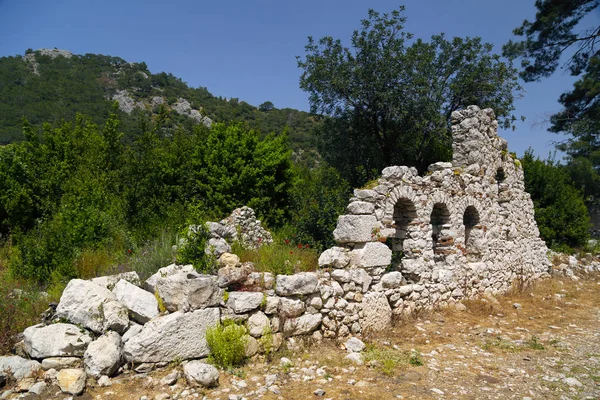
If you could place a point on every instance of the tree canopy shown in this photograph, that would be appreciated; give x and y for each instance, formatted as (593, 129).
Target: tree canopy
(391, 97)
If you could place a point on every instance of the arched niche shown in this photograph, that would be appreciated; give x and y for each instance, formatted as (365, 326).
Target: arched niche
(440, 229)
(404, 213)
(500, 178)
(472, 232)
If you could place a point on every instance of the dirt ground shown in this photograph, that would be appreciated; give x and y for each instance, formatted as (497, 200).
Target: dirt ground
(538, 343)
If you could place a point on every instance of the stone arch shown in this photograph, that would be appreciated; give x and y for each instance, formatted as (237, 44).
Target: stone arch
(470, 220)
(441, 236)
(404, 213)
(399, 192)
(437, 197)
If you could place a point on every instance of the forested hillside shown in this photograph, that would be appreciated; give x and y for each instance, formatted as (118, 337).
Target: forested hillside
(50, 85)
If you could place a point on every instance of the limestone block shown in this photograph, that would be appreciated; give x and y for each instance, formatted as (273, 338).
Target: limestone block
(232, 275)
(56, 340)
(361, 278)
(142, 305)
(361, 208)
(336, 257)
(189, 291)
(165, 272)
(92, 306)
(58, 363)
(371, 254)
(72, 380)
(377, 313)
(19, 367)
(176, 335)
(297, 284)
(217, 246)
(133, 330)
(341, 275)
(104, 355)
(290, 307)
(355, 228)
(391, 280)
(198, 373)
(303, 324)
(241, 302)
(110, 281)
(229, 260)
(257, 323)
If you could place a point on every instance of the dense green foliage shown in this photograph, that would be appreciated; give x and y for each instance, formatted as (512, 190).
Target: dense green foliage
(83, 84)
(227, 344)
(392, 101)
(555, 32)
(191, 250)
(77, 187)
(560, 210)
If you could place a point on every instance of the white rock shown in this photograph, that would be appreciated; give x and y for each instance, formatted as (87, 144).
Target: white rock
(133, 330)
(188, 291)
(361, 278)
(355, 228)
(355, 358)
(361, 208)
(92, 306)
(217, 246)
(272, 305)
(303, 324)
(297, 284)
(141, 304)
(38, 388)
(103, 356)
(58, 363)
(109, 282)
(371, 254)
(391, 280)
(354, 345)
(19, 367)
(229, 260)
(341, 275)
(199, 373)
(71, 380)
(257, 324)
(56, 340)
(241, 302)
(177, 335)
(377, 313)
(169, 270)
(336, 257)
(104, 381)
(290, 308)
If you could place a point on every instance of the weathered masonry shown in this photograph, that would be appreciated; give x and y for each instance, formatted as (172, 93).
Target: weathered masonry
(466, 228)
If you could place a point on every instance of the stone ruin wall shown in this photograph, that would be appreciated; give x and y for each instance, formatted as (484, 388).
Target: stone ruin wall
(464, 229)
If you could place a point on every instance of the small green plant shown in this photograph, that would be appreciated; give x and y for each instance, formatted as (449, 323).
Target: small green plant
(225, 296)
(159, 300)
(415, 359)
(388, 359)
(227, 344)
(501, 344)
(266, 341)
(535, 344)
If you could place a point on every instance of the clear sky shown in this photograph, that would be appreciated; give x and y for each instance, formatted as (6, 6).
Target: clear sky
(246, 49)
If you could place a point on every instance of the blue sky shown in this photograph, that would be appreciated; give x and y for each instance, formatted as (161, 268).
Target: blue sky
(247, 49)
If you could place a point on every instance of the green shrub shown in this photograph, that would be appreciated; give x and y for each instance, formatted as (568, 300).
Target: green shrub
(191, 249)
(280, 258)
(227, 344)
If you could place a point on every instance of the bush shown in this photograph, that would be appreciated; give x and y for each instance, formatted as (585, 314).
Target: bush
(191, 249)
(560, 211)
(227, 344)
(280, 258)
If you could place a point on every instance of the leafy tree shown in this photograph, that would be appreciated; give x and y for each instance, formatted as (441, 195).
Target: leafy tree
(392, 101)
(560, 210)
(318, 197)
(556, 32)
(266, 106)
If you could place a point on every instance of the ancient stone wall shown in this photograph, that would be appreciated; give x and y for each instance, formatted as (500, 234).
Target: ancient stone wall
(413, 242)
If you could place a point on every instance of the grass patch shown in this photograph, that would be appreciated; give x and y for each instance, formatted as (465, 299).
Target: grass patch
(534, 343)
(279, 258)
(388, 360)
(500, 344)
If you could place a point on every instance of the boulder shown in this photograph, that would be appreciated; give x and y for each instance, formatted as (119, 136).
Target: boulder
(199, 373)
(92, 306)
(229, 260)
(189, 291)
(257, 324)
(19, 367)
(217, 246)
(232, 275)
(377, 313)
(391, 280)
(58, 363)
(71, 381)
(178, 335)
(103, 356)
(355, 345)
(56, 340)
(110, 281)
(355, 228)
(371, 254)
(164, 272)
(361, 208)
(133, 330)
(241, 302)
(336, 257)
(297, 284)
(291, 308)
(142, 305)
(303, 325)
